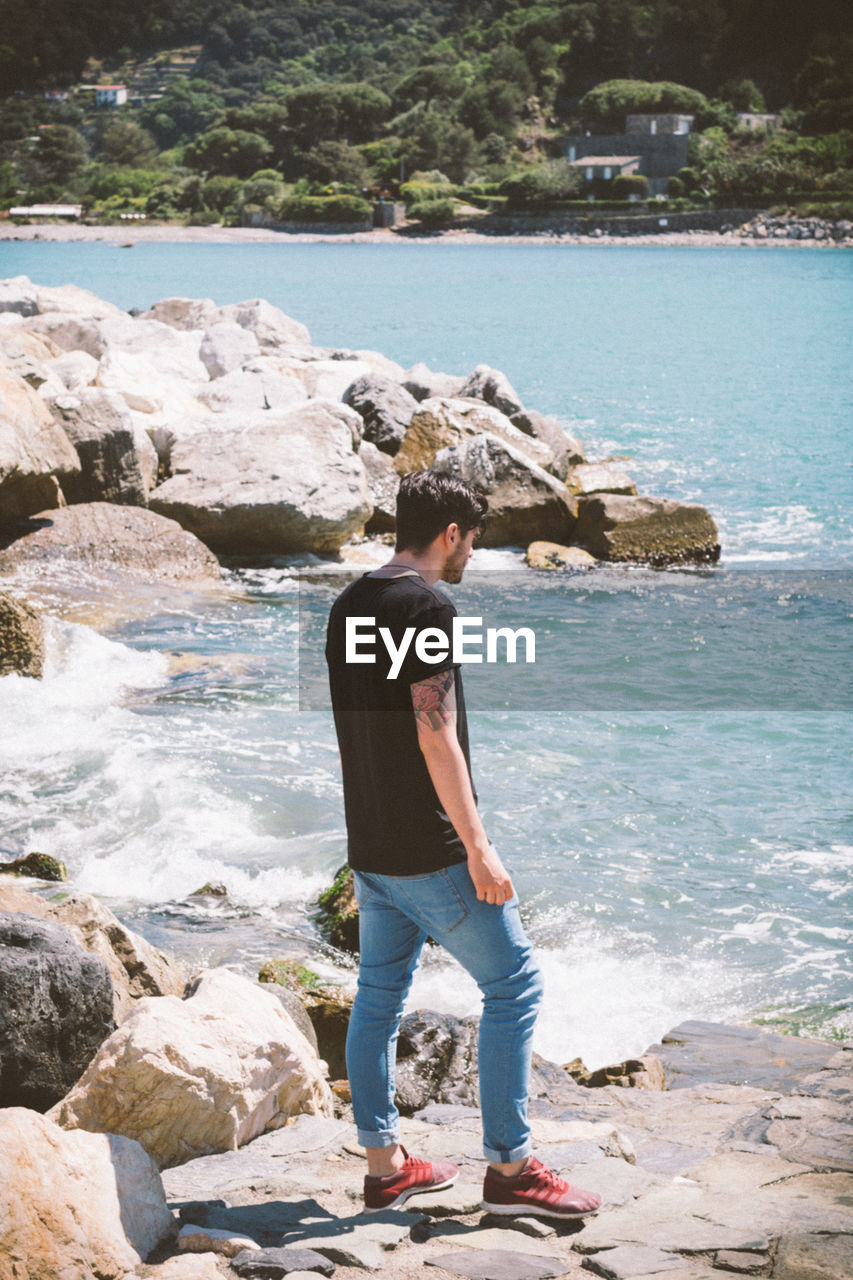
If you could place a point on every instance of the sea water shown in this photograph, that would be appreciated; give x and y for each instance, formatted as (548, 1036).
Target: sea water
(669, 782)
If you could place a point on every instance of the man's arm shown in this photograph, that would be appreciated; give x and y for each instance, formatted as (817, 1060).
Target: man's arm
(434, 704)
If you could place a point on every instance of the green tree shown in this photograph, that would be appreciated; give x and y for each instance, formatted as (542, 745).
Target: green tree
(743, 95)
(337, 162)
(126, 143)
(229, 152)
(187, 108)
(434, 82)
(60, 154)
(607, 105)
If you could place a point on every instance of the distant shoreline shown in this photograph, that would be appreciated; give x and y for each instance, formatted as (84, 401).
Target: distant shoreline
(164, 233)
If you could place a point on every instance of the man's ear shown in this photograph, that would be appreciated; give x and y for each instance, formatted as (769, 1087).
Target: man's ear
(452, 534)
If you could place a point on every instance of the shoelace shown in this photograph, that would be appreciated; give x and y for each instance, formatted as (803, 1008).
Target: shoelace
(553, 1181)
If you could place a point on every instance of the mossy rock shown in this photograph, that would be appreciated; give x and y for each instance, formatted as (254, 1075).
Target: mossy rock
(337, 918)
(41, 866)
(327, 1006)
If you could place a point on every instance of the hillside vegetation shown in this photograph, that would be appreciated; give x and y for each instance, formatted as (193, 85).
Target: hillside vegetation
(256, 105)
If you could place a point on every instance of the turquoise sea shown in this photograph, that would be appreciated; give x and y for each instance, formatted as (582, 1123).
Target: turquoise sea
(670, 782)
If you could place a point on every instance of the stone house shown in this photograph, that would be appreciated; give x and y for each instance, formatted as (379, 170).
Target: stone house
(658, 142)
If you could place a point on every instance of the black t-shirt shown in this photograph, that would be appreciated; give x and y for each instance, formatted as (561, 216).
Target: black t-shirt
(395, 822)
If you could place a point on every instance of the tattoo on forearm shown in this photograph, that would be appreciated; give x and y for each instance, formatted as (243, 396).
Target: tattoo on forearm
(434, 701)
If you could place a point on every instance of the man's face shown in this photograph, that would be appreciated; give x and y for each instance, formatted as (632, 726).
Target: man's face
(458, 557)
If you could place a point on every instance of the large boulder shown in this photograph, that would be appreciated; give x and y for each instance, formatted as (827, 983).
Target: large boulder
(18, 296)
(116, 460)
(654, 531)
(195, 1076)
(112, 540)
(599, 477)
(21, 639)
(184, 313)
(271, 327)
(550, 555)
(75, 369)
(70, 299)
(566, 450)
(173, 354)
(385, 407)
(136, 969)
(325, 379)
(27, 355)
(146, 386)
(75, 1206)
(382, 485)
(295, 484)
(438, 424)
(70, 332)
(35, 453)
(525, 502)
(57, 1008)
(246, 397)
(494, 387)
(226, 346)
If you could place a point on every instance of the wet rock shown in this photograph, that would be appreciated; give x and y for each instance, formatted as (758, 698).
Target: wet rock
(551, 555)
(203, 1074)
(337, 918)
(105, 538)
(21, 645)
(41, 866)
(57, 1008)
(296, 484)
(75, 1205)
(652, 531)
(386, 408)
(112, 465)
(36, 456)
(525, 502)
(695, 1052)
(382, 485)
(324, 1007)
(492, 386)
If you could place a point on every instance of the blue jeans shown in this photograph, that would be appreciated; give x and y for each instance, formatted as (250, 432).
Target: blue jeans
(396, 915)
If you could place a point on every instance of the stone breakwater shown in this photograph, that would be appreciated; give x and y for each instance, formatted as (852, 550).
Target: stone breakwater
(201, 1139)
(150, 444)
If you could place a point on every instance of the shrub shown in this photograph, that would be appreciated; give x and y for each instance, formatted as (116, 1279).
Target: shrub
(433, 213)
(414, 192)
(204, 218)
(543, 184)
(630, 184)
(324, 209)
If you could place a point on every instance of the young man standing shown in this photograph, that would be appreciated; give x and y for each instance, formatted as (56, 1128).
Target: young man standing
(422, 862)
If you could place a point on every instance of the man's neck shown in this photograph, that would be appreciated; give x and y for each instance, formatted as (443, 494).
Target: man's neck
(427, 564)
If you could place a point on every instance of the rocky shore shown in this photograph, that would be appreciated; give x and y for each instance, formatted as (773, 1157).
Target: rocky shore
(171, 1129)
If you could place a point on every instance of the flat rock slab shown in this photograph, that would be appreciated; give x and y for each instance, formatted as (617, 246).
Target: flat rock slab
(498, 1264)
(270, 1264)
(457, 1201)
(628, 1262)
(490, 1239)
(267, 1223)
(360, 1241)
(697, 1052)
(745, 1264)
(814, 1257)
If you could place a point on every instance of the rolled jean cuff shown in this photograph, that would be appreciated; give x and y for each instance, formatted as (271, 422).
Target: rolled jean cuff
(382, 1138)
(494, 1156)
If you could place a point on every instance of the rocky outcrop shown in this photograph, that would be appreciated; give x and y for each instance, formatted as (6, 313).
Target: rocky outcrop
(117, 464)
(525, 502)
(599, 477)
(39, 866)
(337, 918)
(207, 1073)
(566, 449)
(765, 226)
(113, 540)
(385, 407)
(425, 384)
(295, 485)
(654, 531)
(550, 555)
(57, 1008)
(634, 1073)
(227, 346)
(35, 454)
(26, 354)
(75, 1206)
(21, 638)
(492, 386)
(439, 424)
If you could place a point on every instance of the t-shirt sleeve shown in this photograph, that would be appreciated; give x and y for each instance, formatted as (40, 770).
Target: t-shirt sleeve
(431, 649)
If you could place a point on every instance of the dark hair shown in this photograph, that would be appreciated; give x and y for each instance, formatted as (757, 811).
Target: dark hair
(428, 501)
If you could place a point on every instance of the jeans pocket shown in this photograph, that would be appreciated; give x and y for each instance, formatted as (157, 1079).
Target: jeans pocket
(362, 888)
(434, 900)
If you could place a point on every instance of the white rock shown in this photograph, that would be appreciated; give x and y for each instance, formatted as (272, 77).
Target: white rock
(440, 423)
(192, 1239)
(190, 1266)
(271, 327)
(35, 452)
(226, 346)
(145, 386)
(381, 364)
(69, 299)
(75, 369)
(18, 296)
(244, 396)
(173, 354)
(70, 332)
(328, 379)
(184, 313)
(75, 1205)
(196, 1076)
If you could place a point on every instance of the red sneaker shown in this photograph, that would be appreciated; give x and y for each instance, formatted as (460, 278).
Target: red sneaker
(536, 1190)
(415, 1177)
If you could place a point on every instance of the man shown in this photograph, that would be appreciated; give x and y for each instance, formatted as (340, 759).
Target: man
(422, 862)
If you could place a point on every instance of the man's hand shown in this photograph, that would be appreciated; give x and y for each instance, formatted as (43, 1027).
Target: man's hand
(491, 879)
